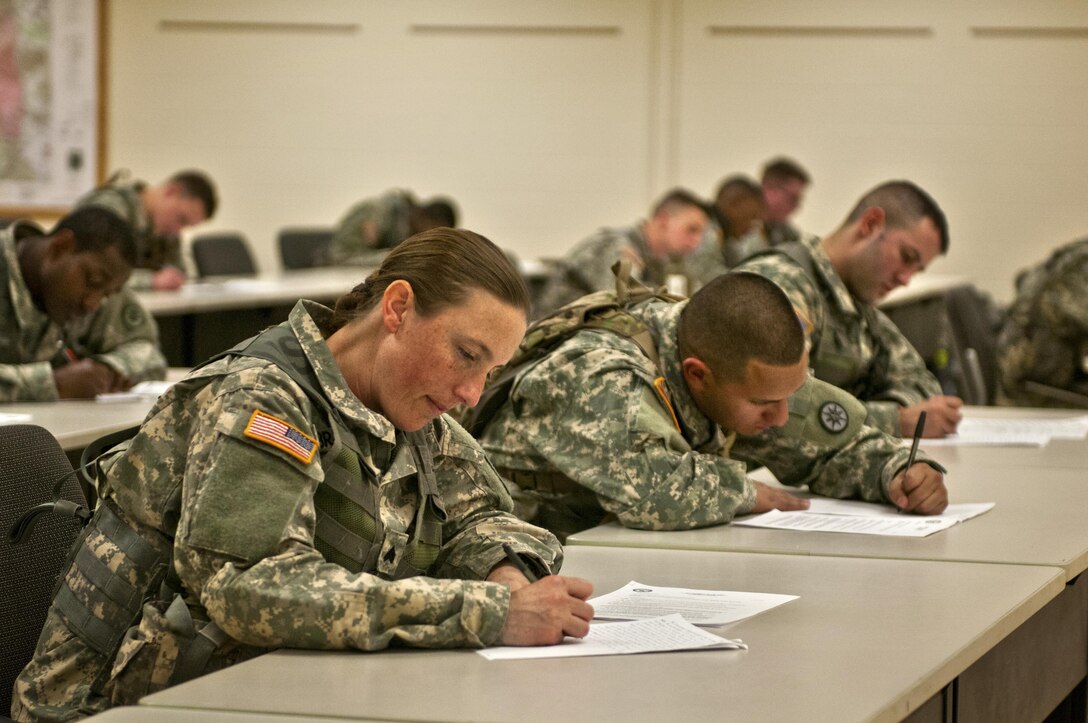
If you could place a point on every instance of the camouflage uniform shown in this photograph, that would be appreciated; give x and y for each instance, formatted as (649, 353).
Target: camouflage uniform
(720, 251)
(386, 219)
(120, 334)
(121, 194)
(595, 427)
(588, 267)
(781, 232)
(1045, 335)
(255, 523)
(854, 345)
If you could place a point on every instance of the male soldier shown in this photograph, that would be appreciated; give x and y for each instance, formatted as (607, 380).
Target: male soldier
(894, 231)
(1045, 336)
(69, 330)
(735, 231)
(157, 215)
(373, 226)
(784, 184)
(652, 421)
(655, 247)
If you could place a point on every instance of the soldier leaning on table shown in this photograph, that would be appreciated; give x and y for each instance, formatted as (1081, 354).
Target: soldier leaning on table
(652, 419)
(68, 328)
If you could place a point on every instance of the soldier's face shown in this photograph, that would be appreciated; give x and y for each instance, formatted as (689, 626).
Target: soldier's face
(176, 212)
(76, 283)
(430, 364)
(891, 258)
(756, 403)
(782, 198)
(678, 233)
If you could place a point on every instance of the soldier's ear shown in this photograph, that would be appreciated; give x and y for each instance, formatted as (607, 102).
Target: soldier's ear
(871, 223)
(697, 374)
(397, 300)
(61, 243)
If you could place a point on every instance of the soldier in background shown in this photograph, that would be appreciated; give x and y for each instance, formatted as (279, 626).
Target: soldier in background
(69, 329)
(305, 490)
(894, 231)
(735, 231)
(373, 226)
(1044, 338)
(157, 215)
(652, 421)
(784, 184)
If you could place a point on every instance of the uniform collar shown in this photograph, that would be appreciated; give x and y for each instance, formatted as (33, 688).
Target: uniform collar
(838, 294)
(310, 322)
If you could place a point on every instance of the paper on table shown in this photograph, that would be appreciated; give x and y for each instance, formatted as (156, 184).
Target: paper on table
(655, 635)
(636, 601)
(143, 390)
(13, 418)
(881, 520)
(1020, 432)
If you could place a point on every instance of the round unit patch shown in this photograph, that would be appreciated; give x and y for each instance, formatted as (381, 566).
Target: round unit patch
(131, 315)
(833, 417)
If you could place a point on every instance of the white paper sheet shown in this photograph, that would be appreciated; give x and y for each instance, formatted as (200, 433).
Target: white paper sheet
(637, 601)
(654, 635)
(879, 520)
(143, 390)
(1012, 432)
(14, 418)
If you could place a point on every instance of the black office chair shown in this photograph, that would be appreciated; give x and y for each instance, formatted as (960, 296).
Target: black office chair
(974, 320)
(304, 248)
(223, 254)
(32, 464)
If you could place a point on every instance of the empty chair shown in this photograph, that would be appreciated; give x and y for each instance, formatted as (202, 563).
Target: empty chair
(974, 320)
(304, 248)
(32, 464)
(223, 254)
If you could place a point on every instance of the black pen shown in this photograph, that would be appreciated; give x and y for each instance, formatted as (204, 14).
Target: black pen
(516, 561)
(918, 429)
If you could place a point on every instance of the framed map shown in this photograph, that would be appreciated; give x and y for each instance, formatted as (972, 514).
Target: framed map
(52, 103)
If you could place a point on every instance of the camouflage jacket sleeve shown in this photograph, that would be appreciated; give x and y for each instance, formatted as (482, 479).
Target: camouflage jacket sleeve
(596, 417)
(350, 241)
(31, 382)
(1064, 301)
(123, 335)
(247, 549)
(827, 446)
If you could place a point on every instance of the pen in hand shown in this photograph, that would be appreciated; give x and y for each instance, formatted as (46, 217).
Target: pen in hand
(515, 560)
(918, 429)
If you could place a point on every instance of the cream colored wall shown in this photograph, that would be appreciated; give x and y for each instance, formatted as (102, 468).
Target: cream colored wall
(546, 120)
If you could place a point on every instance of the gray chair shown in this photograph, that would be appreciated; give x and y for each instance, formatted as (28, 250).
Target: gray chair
(223, 254)
(305, 248)
(974, 320)
(34, 475)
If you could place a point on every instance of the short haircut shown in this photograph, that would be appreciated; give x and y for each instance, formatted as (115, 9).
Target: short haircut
(442, 211)
(677, 199)
(442, 265)
(784, 169)
(904, 204)
(739, 186)
(97, 228)
(199, 186)
(736, 317)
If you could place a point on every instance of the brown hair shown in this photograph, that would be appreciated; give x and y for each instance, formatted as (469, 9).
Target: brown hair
(904, 204)
(442, 265)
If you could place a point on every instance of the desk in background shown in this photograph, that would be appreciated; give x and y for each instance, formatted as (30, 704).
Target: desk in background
(866, 640)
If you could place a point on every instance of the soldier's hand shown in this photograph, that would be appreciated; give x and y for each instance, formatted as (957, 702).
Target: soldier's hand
(920, 490)
(543, 612)
(84, 379)
(508, 575)
(774, 498)
(168, 278)
(942, 417)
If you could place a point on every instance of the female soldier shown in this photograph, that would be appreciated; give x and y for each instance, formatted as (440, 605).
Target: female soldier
(305, 489)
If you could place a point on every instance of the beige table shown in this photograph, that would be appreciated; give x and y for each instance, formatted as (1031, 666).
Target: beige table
(135, 714)
(77, 423)
(867, 640)
(1072, 454)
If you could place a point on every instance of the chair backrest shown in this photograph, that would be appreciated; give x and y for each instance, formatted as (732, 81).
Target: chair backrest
(223, 254)
(974, 320)
(31, 463)
(304, 248)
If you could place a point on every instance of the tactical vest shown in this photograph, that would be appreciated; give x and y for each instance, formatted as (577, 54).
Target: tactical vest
(840, 370)
(349, 530)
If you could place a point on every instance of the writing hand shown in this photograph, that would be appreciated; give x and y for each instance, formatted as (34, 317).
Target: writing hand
(543, 612)
(919, 490)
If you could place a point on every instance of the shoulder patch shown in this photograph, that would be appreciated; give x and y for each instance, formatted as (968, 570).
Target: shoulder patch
(281, 435)
(131, 315)
(833, 417)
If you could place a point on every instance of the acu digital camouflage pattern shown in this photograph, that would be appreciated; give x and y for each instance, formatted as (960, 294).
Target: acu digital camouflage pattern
(588, 267)
(720, 251)
(585, 432)
(238, 516)
(120, 334)
(371, 227)
(121, 194)
(854, 345)
(1045, 335)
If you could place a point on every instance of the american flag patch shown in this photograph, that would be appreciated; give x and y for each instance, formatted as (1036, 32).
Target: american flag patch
(281, 435)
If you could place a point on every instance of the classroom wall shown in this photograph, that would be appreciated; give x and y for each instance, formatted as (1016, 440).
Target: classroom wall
(548, 119)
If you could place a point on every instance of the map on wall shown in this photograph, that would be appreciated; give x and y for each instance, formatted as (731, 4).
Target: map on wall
(49, 132)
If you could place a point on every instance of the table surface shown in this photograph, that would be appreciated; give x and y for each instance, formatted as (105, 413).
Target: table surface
(866, 640)
(76, 422)
(217, 294)
(1063, 453)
